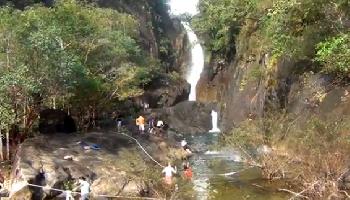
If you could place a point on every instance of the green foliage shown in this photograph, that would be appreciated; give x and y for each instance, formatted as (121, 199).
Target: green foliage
(175, 77)
(248, 135)
(334, 54)
(256, 73)
(72, 54)
(296, 29)
(219, 21)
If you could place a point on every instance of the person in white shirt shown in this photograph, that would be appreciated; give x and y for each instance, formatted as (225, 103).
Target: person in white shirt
(84, 189)
(183, 143)
(169, 171)
(185, 146)
(160, 123)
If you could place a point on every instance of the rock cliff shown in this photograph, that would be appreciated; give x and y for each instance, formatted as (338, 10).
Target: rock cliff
(253, 83)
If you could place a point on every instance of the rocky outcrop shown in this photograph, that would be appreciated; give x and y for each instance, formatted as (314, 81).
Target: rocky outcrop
(165, 39)
(166, 92)
(162, 37)
(114, 169)
(236, 93)
(254, 83)
(188, 117)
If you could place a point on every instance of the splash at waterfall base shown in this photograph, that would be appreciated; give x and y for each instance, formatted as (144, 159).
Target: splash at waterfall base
(214, 122)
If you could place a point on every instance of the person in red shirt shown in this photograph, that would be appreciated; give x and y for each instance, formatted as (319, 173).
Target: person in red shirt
(188, 172)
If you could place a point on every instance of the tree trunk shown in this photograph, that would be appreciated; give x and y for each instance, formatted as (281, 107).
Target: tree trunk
(1, 151)
(54, 102)
(8, 53)
(8, 144)
(25, 114)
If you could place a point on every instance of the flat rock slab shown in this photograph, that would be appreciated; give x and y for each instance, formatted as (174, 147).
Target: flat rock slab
(41, 160)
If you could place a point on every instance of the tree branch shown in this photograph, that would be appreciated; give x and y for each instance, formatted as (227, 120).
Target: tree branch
(294, 193)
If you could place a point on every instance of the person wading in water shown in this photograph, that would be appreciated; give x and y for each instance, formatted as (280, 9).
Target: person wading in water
(169, 171)
(187, 171)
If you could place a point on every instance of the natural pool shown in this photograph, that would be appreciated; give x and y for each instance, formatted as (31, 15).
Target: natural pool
(221, 175)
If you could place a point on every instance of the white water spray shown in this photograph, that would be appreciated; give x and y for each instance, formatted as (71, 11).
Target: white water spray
(214, 122)
(197, 61)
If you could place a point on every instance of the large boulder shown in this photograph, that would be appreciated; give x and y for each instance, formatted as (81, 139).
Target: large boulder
(170, 94)
(165, 92)
(111, 170)
(189, 117)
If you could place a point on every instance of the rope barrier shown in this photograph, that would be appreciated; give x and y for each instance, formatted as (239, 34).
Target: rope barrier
(142, 148)
(69, 193)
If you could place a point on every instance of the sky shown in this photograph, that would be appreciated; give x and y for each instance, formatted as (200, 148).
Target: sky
(183, 6)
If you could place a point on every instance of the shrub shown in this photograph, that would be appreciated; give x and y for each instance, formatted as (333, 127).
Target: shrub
(334, 55)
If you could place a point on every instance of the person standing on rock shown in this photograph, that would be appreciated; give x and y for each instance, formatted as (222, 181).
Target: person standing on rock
(84, 188)
(151, 124)
(160, 125)
(145, 106)
(140, 122)
(169, 171)
(185, 147)
(119, 122)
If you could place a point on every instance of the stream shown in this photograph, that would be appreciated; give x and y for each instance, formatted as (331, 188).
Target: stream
(215, 177)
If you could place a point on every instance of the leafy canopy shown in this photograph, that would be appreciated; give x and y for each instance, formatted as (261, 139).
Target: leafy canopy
(300, 29)
(70, 54)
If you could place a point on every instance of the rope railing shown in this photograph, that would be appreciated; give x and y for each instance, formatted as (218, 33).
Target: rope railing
(69, 194)
(142, 148)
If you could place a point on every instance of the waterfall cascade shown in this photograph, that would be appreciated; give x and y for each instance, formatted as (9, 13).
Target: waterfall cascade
(197, 63)
(197, 55)
(179, 7)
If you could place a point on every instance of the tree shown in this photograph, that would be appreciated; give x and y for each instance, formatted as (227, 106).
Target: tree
(72, 55)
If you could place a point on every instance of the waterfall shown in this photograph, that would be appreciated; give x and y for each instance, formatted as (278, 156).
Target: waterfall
(197, 61)
(179, 7)
(214, 122)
